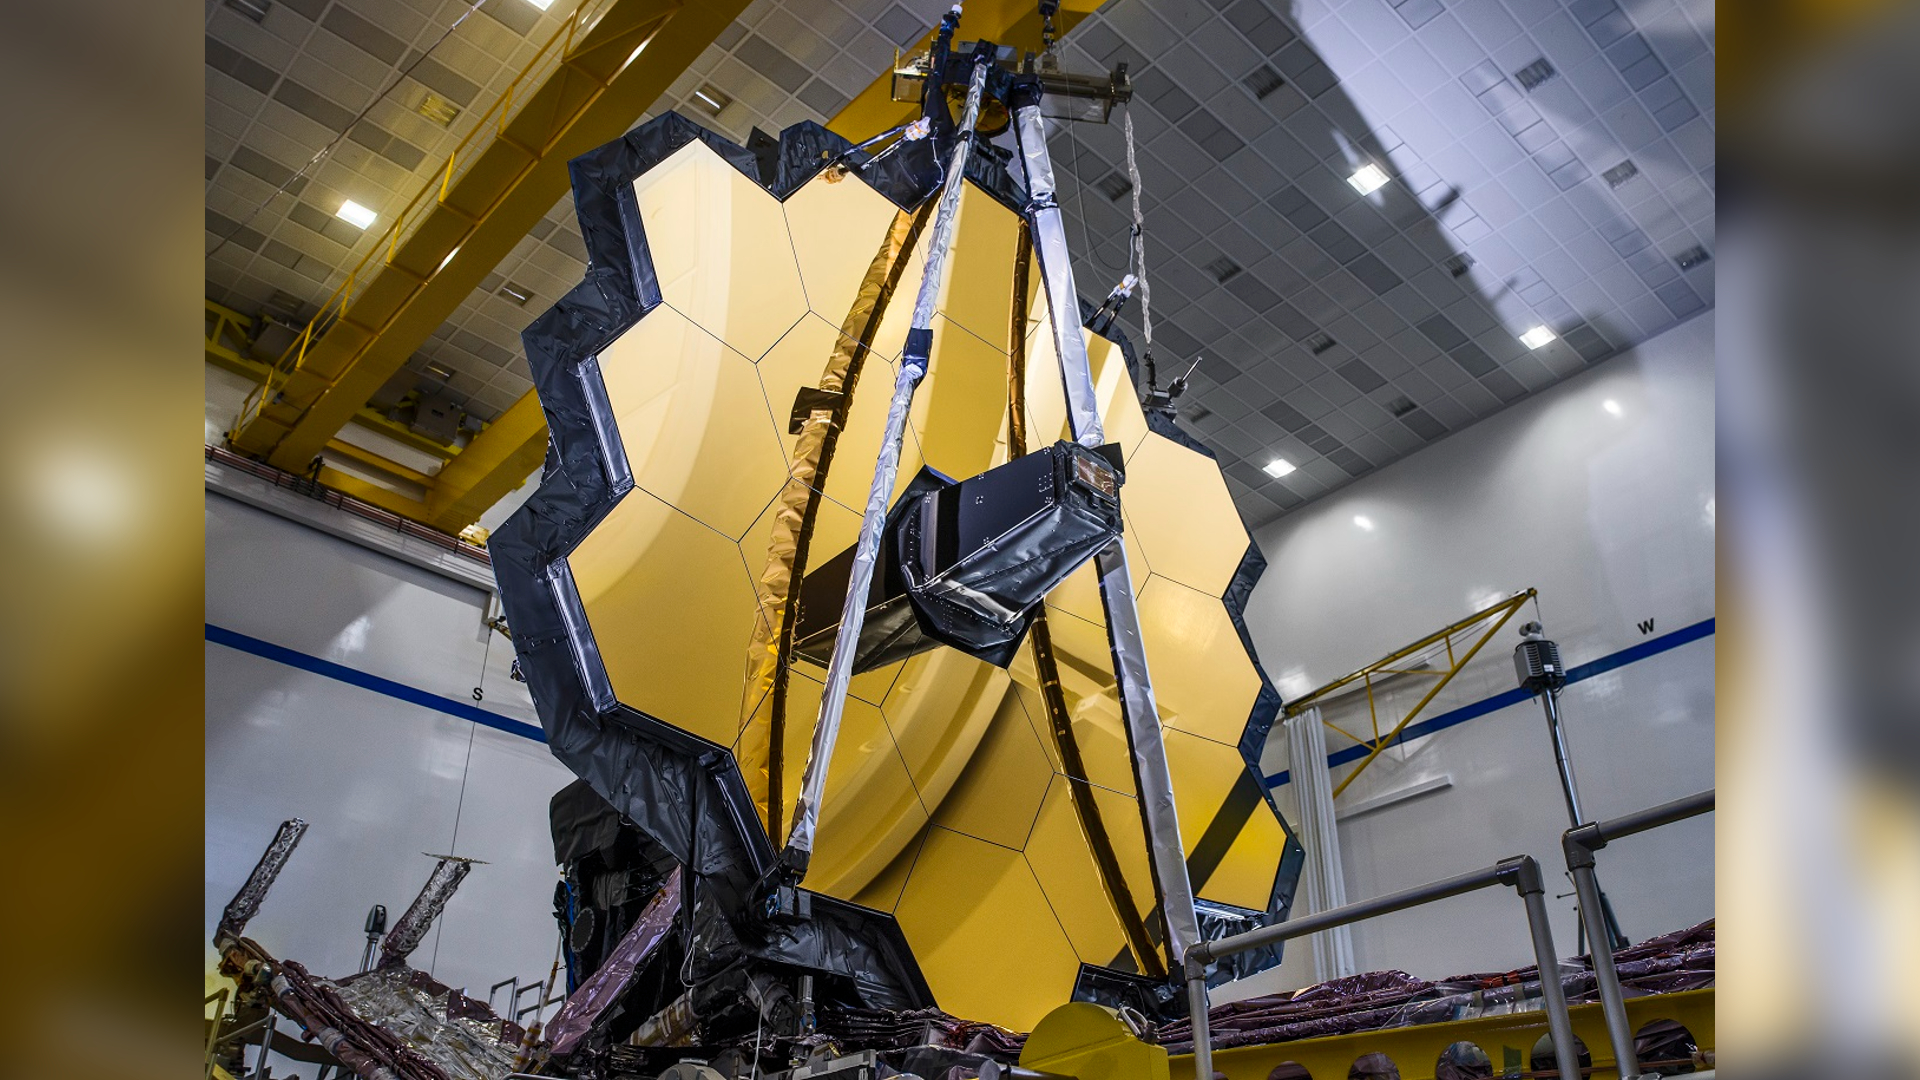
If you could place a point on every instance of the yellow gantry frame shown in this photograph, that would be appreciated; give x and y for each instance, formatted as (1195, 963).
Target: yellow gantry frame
(599, 70)
(1493, 617)
(227, 334)
(592, 79)
(591, 82)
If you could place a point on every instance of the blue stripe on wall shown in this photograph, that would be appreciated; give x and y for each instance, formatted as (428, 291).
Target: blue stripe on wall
(1651, 647)
(267, 650)
(280, 654)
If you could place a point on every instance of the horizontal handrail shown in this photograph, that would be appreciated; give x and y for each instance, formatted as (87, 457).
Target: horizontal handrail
(1579, 844)
(1505, 872)
(1521, 872)
(1597, 834)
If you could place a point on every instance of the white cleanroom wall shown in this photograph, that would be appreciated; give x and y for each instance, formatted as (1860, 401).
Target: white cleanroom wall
(310, 640)
(1599, 492)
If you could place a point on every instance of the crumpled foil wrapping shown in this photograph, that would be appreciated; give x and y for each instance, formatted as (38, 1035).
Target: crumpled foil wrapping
(457, 1034)
(407, 934)
(246, 903)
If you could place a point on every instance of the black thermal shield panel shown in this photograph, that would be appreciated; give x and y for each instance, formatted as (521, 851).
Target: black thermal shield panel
(965, 562)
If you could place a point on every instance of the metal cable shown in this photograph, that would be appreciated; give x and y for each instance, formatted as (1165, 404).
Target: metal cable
(1139, 253)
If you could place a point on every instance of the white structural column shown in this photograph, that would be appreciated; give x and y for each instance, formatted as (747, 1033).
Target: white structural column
(1320, 835)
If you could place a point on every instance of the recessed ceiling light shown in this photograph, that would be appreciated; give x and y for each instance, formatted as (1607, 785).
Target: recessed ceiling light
(1113, 186)
(1368, 179)
(1223, 269)
(1611, 406)
(440, 371)
(437, 109)
(1537, 337)
(712, 99)
(1277, 468)
(541, 4)
(252, 9)
(356, 215)
(1363, 521)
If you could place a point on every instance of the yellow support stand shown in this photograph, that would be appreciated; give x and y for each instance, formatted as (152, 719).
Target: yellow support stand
(1091, 1042)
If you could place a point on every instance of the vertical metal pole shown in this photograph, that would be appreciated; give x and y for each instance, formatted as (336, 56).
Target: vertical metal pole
(1197, 1018)
(853, 612)
(266, 1044)
(1559, 1024)
(1151, 775)
(1606, 977)
(1561, 758)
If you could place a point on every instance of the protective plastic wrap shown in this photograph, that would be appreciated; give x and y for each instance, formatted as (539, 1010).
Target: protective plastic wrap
(411, 929)
(1151, 772)
(460, 1036)
(587, 1004)
(913, 368)
(246, 903)
(1682, 960)
(684, 792)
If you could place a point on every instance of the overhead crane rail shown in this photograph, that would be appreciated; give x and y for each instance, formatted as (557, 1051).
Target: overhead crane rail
(605, 63)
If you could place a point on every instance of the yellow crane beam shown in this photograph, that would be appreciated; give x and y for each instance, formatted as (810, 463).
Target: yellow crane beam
(608, 61)
(1484, 623)
(627, 53)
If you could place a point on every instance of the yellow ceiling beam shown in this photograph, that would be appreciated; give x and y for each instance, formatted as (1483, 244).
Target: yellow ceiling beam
(498, 460)
(1005, 22)
(609, 61)
(406, 297)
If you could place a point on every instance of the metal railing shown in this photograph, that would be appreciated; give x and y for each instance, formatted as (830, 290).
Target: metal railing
(1578, 845)
(1522, 873)
(308, 486)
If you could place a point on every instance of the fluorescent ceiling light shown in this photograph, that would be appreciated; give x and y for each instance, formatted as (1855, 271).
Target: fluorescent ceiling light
(356, 215)
(1611, 406)
(1277, 468)
(712, 99)
(1368, 179)
(541, 4)
(1536, 337)
(1363, 521)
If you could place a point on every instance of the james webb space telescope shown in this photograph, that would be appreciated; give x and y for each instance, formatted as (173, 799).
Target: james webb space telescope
(838, 592)
(852, 545)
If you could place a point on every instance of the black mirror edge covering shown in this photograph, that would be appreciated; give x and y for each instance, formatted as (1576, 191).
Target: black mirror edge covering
(649, 769)
(639, 763)
(1266, 704)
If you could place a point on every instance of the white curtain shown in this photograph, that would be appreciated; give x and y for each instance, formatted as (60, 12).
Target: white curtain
(1324, 874)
